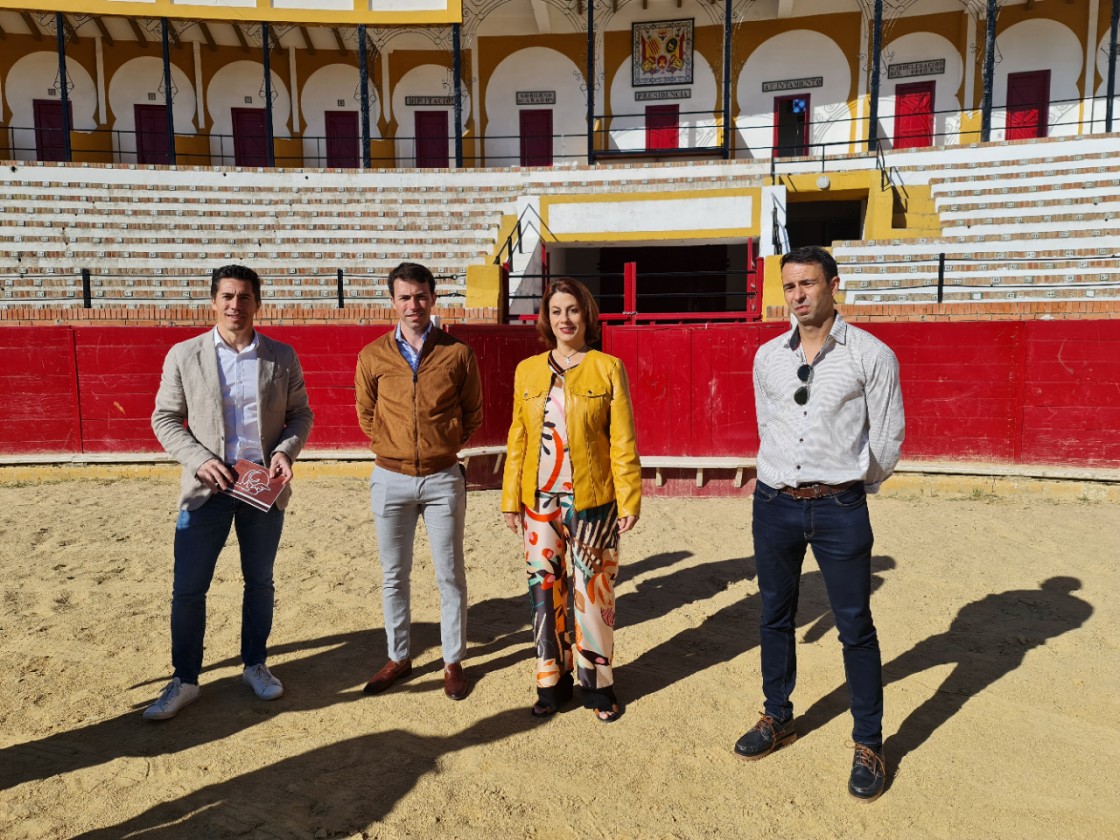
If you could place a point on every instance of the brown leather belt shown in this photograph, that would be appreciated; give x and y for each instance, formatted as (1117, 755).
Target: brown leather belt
(817, 490)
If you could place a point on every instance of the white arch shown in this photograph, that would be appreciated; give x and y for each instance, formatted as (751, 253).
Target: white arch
(697, 123)
(136, 82)
(322, 92)
(31, 78)
(925, 46)
(795, 55)
(535, 69)
(426, 80)
(1040, 45)
(240, 84)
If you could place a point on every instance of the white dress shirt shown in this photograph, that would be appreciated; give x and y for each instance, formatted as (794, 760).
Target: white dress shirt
(852, 426)
(238, 375)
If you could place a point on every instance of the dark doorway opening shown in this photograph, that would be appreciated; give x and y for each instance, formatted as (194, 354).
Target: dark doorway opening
(536, 137)
(791, 125)
(151, 135)
(250, 137)
(663, 127)
(50, 141)
(692, 278)
(1028, 104)
(343, 142)
(823, 222)
(431, 140)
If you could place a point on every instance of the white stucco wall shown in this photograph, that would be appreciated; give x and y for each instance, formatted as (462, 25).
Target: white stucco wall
(322, 92)
(533, 69)
(131, 85)
(697, 113)
(794, 55)
(924, 46)
(1040, 45)
(30, 79)
(425, 80)
(688, 217)
(230, 87)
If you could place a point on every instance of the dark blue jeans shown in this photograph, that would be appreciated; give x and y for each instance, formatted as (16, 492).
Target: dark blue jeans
(200, 536)
(839, 530)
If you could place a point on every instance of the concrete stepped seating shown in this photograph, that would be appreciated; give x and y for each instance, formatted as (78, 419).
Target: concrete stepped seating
(134, 236)
(1034, 227)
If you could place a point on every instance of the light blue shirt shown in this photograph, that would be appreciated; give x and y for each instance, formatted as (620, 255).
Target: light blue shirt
(410, 355)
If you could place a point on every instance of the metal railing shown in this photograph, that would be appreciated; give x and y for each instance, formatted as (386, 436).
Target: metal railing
(619, 135)
(622, 300)
(72, 285)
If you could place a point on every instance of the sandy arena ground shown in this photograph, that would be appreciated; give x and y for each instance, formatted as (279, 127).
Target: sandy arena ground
(999, 619)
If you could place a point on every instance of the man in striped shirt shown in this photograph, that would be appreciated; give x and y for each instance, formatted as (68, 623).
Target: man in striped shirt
(830, 425)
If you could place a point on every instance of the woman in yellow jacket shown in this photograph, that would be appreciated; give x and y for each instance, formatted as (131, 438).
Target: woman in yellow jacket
(572, 484)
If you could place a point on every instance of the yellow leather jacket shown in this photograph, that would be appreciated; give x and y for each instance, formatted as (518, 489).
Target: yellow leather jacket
(601, 442)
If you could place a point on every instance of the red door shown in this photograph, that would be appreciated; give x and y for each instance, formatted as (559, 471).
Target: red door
(343, 140)
(151, 135)
(250, 137)
(791, 125)
(50, 142)
(913, 115)
(1028, 104)
(663, 126)
(431, 140)
(536, 137)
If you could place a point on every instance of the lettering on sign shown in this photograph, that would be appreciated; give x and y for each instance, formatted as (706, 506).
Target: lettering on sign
(793, 84)
(428, 100)
(934, 67)
(536, 97)
(650, 95)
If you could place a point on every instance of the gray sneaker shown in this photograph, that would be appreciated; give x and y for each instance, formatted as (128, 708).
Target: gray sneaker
(175, 696)
(260, 679)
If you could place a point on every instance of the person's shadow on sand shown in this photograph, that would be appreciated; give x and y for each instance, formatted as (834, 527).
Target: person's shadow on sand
(723, 635)
(331, 671)
(335, 790)
(987, 640)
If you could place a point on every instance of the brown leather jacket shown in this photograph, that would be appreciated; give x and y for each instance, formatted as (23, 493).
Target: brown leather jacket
(417, 423)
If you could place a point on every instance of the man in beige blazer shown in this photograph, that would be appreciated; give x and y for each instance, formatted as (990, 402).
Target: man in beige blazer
(228, 394)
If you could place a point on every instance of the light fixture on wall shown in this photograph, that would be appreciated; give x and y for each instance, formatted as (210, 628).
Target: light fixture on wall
(358, 92)
(823, 182)
(275, 93)
(69, 83)
(161, 89)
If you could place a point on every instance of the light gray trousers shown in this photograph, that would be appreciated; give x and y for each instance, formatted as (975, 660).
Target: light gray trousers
(398, 501)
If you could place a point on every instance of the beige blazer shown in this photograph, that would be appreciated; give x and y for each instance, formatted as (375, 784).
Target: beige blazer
(188, 419)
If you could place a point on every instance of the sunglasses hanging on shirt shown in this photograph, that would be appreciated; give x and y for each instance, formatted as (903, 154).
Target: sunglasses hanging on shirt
(805, 374)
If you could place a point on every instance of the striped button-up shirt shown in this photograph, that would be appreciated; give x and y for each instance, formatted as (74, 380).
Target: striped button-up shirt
(852, 425)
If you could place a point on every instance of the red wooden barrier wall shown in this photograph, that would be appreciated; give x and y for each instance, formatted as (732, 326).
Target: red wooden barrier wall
(1017, 392)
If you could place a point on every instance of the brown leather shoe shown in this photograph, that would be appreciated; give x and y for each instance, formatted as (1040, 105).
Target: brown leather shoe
(390, 672)
(455, 684)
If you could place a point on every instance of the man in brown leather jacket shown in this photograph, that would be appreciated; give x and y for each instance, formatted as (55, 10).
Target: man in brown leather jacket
(419, 399)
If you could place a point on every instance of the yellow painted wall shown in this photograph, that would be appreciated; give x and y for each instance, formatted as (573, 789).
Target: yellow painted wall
(91, 146)
(484, 286)
(773, 300)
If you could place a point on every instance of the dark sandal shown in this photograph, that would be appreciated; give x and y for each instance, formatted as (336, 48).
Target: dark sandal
(550, 700)
(542, 710)
(608, 714)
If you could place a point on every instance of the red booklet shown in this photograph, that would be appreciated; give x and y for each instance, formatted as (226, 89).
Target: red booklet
(254, 485)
